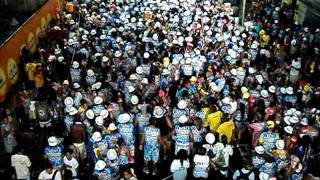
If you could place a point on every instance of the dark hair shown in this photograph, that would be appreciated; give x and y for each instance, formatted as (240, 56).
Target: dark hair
(182, 155)
(224, 139)
(201, 151)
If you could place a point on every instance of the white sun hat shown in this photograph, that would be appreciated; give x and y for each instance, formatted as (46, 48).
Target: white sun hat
(131, 89)
(90, 114)
(112, 127)
(165, 72)
(53, 141)
(100, 165)
(280, 144)
(90, 72)
(233, 72)
(264, 93)
(252, 70)
(146, 55)
(96, 136)
(244, 89)
(182, 104)
(288, 129)
(272, 89)
(304, 121)
(76, 85)
(139, 70)
(183, 118)
(259, 149)
(289, 90)
(98, 100)
(134, 100)
(158, 112)
(124, 118)
(75, 64)
(99, 121)
(232, 53)
(294, 119)
(73, 111)
(210, 138)
(104, 113)
(117, 54)
(68, 101)
(65, 82)
(287, 120)
(112, 154)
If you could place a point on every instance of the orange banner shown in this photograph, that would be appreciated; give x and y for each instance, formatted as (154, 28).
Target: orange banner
(27, 35)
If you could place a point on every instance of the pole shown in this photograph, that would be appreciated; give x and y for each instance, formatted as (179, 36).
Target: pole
(243, 10)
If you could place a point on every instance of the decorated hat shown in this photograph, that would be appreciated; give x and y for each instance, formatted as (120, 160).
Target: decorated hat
(90, 114)
(104, 113)
(124, 118)
(99, 121)
(182, 104)
(98, 100)
(96, 136)
(158, 111)
(100, 165)
(134, 100)
(288, 129)
(264, 93)
(112, 127)
(183, 119)
(280, 144)
(68, 101)
(73, 111)
(112, 154)
(53, 141)
(259, 149)
(90, 72)
(272, 89)
(75, 64)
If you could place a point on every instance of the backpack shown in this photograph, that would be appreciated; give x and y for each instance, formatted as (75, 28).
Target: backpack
(220, 160)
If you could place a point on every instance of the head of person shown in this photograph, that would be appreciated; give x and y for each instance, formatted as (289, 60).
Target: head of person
(67, 174)
(224, 139)
(201, 151)
(128, 173)
(69, 154)
(49, 168)
(152, 121)
(182, 155)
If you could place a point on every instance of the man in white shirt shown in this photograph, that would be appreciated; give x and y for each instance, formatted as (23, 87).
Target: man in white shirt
(50, 174)
(21, 163)
(70, 163)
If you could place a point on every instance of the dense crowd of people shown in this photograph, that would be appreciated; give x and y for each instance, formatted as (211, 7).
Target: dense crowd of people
(168, 89)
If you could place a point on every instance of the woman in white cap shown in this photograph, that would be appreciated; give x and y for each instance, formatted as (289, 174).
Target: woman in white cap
(126, 129)
(258, 159)
(182, 135)
(54, 152)
(112, 136)
(97, 146)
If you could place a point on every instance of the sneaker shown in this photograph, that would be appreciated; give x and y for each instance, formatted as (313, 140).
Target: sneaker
(154, 172)
(146, 170)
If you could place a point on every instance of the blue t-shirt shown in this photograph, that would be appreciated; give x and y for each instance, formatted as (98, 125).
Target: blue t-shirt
(127, 133)
(54, 154)
(151, 137)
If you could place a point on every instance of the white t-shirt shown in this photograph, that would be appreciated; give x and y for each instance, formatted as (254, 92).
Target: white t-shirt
(21, 163)
(176, 165)
(228, 151)
(45, 176)
(201, 166)
(71, 165)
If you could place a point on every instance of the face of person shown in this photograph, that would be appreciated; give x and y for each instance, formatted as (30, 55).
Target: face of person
(49, 170)
(68, 155)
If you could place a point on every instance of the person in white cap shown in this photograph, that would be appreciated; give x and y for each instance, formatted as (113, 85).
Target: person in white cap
(126, 129)
(54, 152)
(75, 72)
(180, 110)
(97, 146)
(98, 105)
(101, 171)
(150, 144)
(182, 135)
(69, 118)
(113, 163)
(258, 159)
(112, 136)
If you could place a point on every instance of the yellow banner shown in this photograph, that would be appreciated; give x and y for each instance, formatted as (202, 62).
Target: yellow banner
(27, 36)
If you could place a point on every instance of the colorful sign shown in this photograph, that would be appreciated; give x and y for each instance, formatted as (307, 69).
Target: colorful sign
(26, 36)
